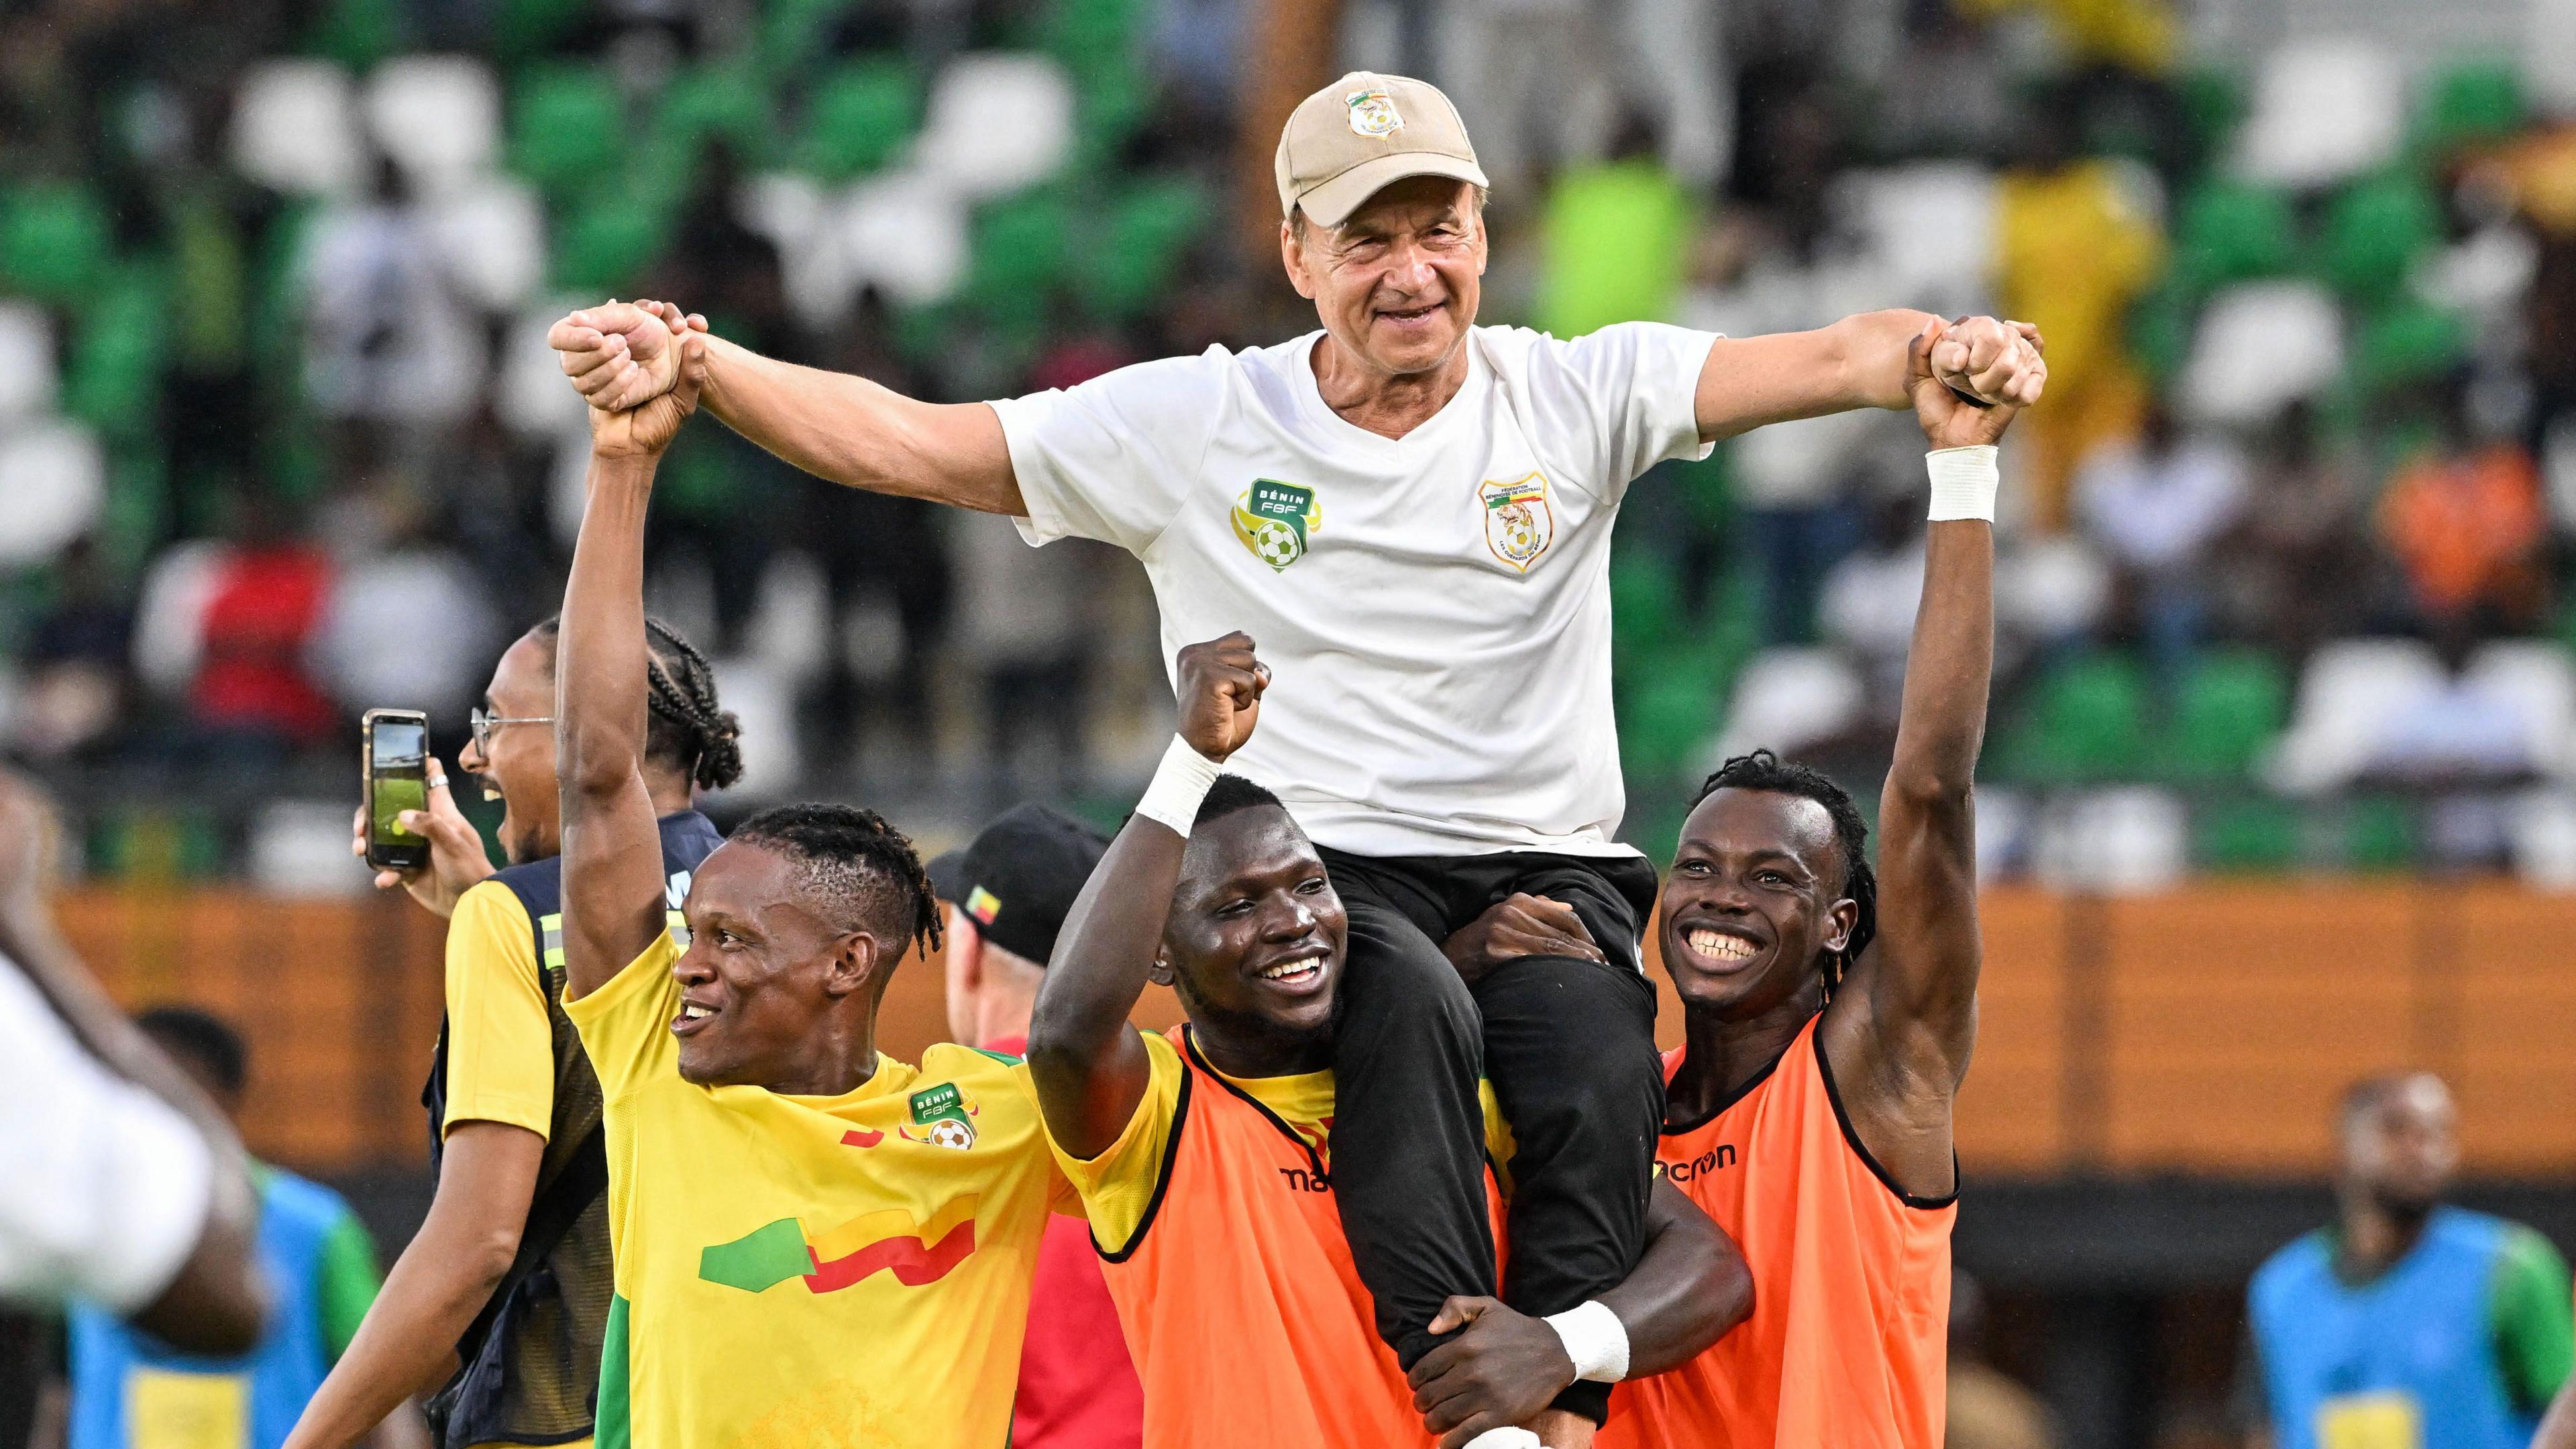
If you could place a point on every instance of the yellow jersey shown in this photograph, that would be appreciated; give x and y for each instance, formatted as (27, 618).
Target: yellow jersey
(847, 1272)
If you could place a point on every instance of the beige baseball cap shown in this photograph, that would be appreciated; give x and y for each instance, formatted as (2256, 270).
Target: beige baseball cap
(1347, 141)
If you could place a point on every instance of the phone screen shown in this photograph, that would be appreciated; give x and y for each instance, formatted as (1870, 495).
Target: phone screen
(401, 755)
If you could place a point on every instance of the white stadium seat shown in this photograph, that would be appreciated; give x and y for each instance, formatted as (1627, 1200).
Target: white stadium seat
(437, 116)
(55, 477)
(1787, 698)
(2537, 676)
(997, 122)
(295, 128)
(2324, 109)
(2259, 348)
(2351, 687)
(27, 375)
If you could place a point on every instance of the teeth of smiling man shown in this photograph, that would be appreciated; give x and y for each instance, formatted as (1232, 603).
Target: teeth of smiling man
(1297, 967)
(1719, 943)
(691, 1012)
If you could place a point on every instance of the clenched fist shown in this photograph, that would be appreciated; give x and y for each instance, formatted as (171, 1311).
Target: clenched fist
(623, 354)
(1220, 694)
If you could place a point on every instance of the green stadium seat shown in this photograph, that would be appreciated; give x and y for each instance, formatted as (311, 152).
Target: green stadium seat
(567, 127)
(719, 102)
(2408, 343)
(1664, 720)
(1112, 102)
(2378, 834)
(1089, 34)
(2087, 721)
(1022, 247)
(359, 33)
(54, 241)
(1646, 606)
(2227, 708)
(1148, 232)
(2232, 232)
(523, 29)
(601, 247)
(857, 118)
(114, 381)
(795, 33)
(2473, 103)
(2160, 328)
(2214, 103)
(2246, 836)
(2374, 232)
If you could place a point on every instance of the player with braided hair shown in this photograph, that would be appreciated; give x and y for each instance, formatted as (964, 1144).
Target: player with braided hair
(1763, 770)
(816, 1244)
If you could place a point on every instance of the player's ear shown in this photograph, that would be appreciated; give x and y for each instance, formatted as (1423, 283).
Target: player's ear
(1160, 971)
(1292, 255)
(1840, 921)
(858, 959)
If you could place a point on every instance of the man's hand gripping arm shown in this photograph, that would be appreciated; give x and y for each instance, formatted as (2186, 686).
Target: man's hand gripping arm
(1087, 1059)
(612, 848)
(1863, 361)
(847, 429)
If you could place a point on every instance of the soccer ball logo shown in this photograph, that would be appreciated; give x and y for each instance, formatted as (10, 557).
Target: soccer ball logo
(1276, 544)
(949, 1132)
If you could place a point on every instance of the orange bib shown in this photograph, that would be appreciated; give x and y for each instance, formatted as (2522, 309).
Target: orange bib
(1248, 1322)
(1848, 1343)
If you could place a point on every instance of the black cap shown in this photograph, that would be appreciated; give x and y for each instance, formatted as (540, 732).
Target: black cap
(1018, 878)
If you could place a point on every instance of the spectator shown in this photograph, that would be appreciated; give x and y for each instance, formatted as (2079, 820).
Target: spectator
(1617, 239)
(2467, 523)
(77, 688)
(131, 1391)
(2406, 1321)
(2298, 563)
(2155, 506)
(389, 335)
(370, 648)
(263, 605)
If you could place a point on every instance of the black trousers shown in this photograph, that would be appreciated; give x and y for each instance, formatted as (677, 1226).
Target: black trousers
(1569, 1046)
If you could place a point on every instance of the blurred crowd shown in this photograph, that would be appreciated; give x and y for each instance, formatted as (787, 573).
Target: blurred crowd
(2282, 589)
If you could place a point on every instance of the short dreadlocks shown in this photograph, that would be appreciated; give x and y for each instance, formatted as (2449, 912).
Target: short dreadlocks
(864, 868)
(1763, 770)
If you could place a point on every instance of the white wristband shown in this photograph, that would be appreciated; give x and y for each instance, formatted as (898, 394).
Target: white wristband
(1595, 1339)
(1509, 1437)
(1180, 783)
(1963, 482)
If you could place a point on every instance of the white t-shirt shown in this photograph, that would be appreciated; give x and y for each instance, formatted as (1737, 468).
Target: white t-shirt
(1435, 609)
(104, 1187)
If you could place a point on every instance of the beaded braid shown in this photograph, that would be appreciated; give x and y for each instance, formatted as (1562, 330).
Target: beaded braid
(685, 696)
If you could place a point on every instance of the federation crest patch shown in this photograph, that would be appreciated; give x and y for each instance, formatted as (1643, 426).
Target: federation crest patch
(1518, 524)
(945, 1115)
(1277, 521)
(1373, 113)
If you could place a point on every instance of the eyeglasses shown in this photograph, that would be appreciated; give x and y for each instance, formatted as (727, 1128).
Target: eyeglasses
(484, 724)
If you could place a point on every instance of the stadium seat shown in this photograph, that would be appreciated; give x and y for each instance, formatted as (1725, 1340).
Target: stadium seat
(2542, 830)
(1022, 247)
(2470, 103)
(114, 380)
(905, 234)
(794, 33)
(2378, 834)
(2350, 686)
(2227, 710)
(360, 33)
(2230, 231)
(2259, 347)
(2246, 835)
(2409, 343)
(492, 236)
(525, 28)
(858, 117)
(604, 244)
(1148, 231)
(2213, 101)
(437, 116)
(1666, 717)
(2324, 109)
(996, 123)
(2087, 721)
(567, 127)
(1930, 225)
(54, 241)
(2537, 675)
(27, 376)
(295, 127)
(1788, 698)
(528, 391)
(2374, 233)
(2125, 841)
(730, 103)
(57, 483)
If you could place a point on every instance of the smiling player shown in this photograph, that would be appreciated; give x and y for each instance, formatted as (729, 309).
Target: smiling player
(816, 1246)
(1206, 1156)
(1830, 1015)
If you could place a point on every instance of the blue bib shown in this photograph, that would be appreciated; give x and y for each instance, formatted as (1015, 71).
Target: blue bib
(129, 1391)
(2405, 1361)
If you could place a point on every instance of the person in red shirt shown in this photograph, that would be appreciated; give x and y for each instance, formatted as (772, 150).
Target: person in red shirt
(1006, 894)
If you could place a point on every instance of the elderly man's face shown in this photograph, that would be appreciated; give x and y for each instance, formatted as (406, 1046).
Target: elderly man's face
(1397, 282)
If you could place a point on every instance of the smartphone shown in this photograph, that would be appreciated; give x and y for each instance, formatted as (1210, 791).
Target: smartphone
(395, 746)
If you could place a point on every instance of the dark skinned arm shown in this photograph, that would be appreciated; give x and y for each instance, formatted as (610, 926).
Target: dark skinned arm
(218, 1301)
(1504, 1367)
(407, 1342)
(1087, 1060)
(1899, 1033)
(612, 848)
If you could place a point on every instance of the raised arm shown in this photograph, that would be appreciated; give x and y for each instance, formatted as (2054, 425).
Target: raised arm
(1860, 362)
(1087, 1059)
(612, 848)
(847, 429)
(1899, 1031)
(1690, 1288)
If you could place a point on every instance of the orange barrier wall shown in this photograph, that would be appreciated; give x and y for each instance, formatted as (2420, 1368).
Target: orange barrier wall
(2206, 1030)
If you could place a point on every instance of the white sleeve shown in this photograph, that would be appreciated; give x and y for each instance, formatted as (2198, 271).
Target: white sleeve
(1113, 458)
(1642, 379)
(104, 1187)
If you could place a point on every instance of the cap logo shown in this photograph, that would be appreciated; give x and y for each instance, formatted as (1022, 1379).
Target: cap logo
(983, 905)
(1373, 113)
